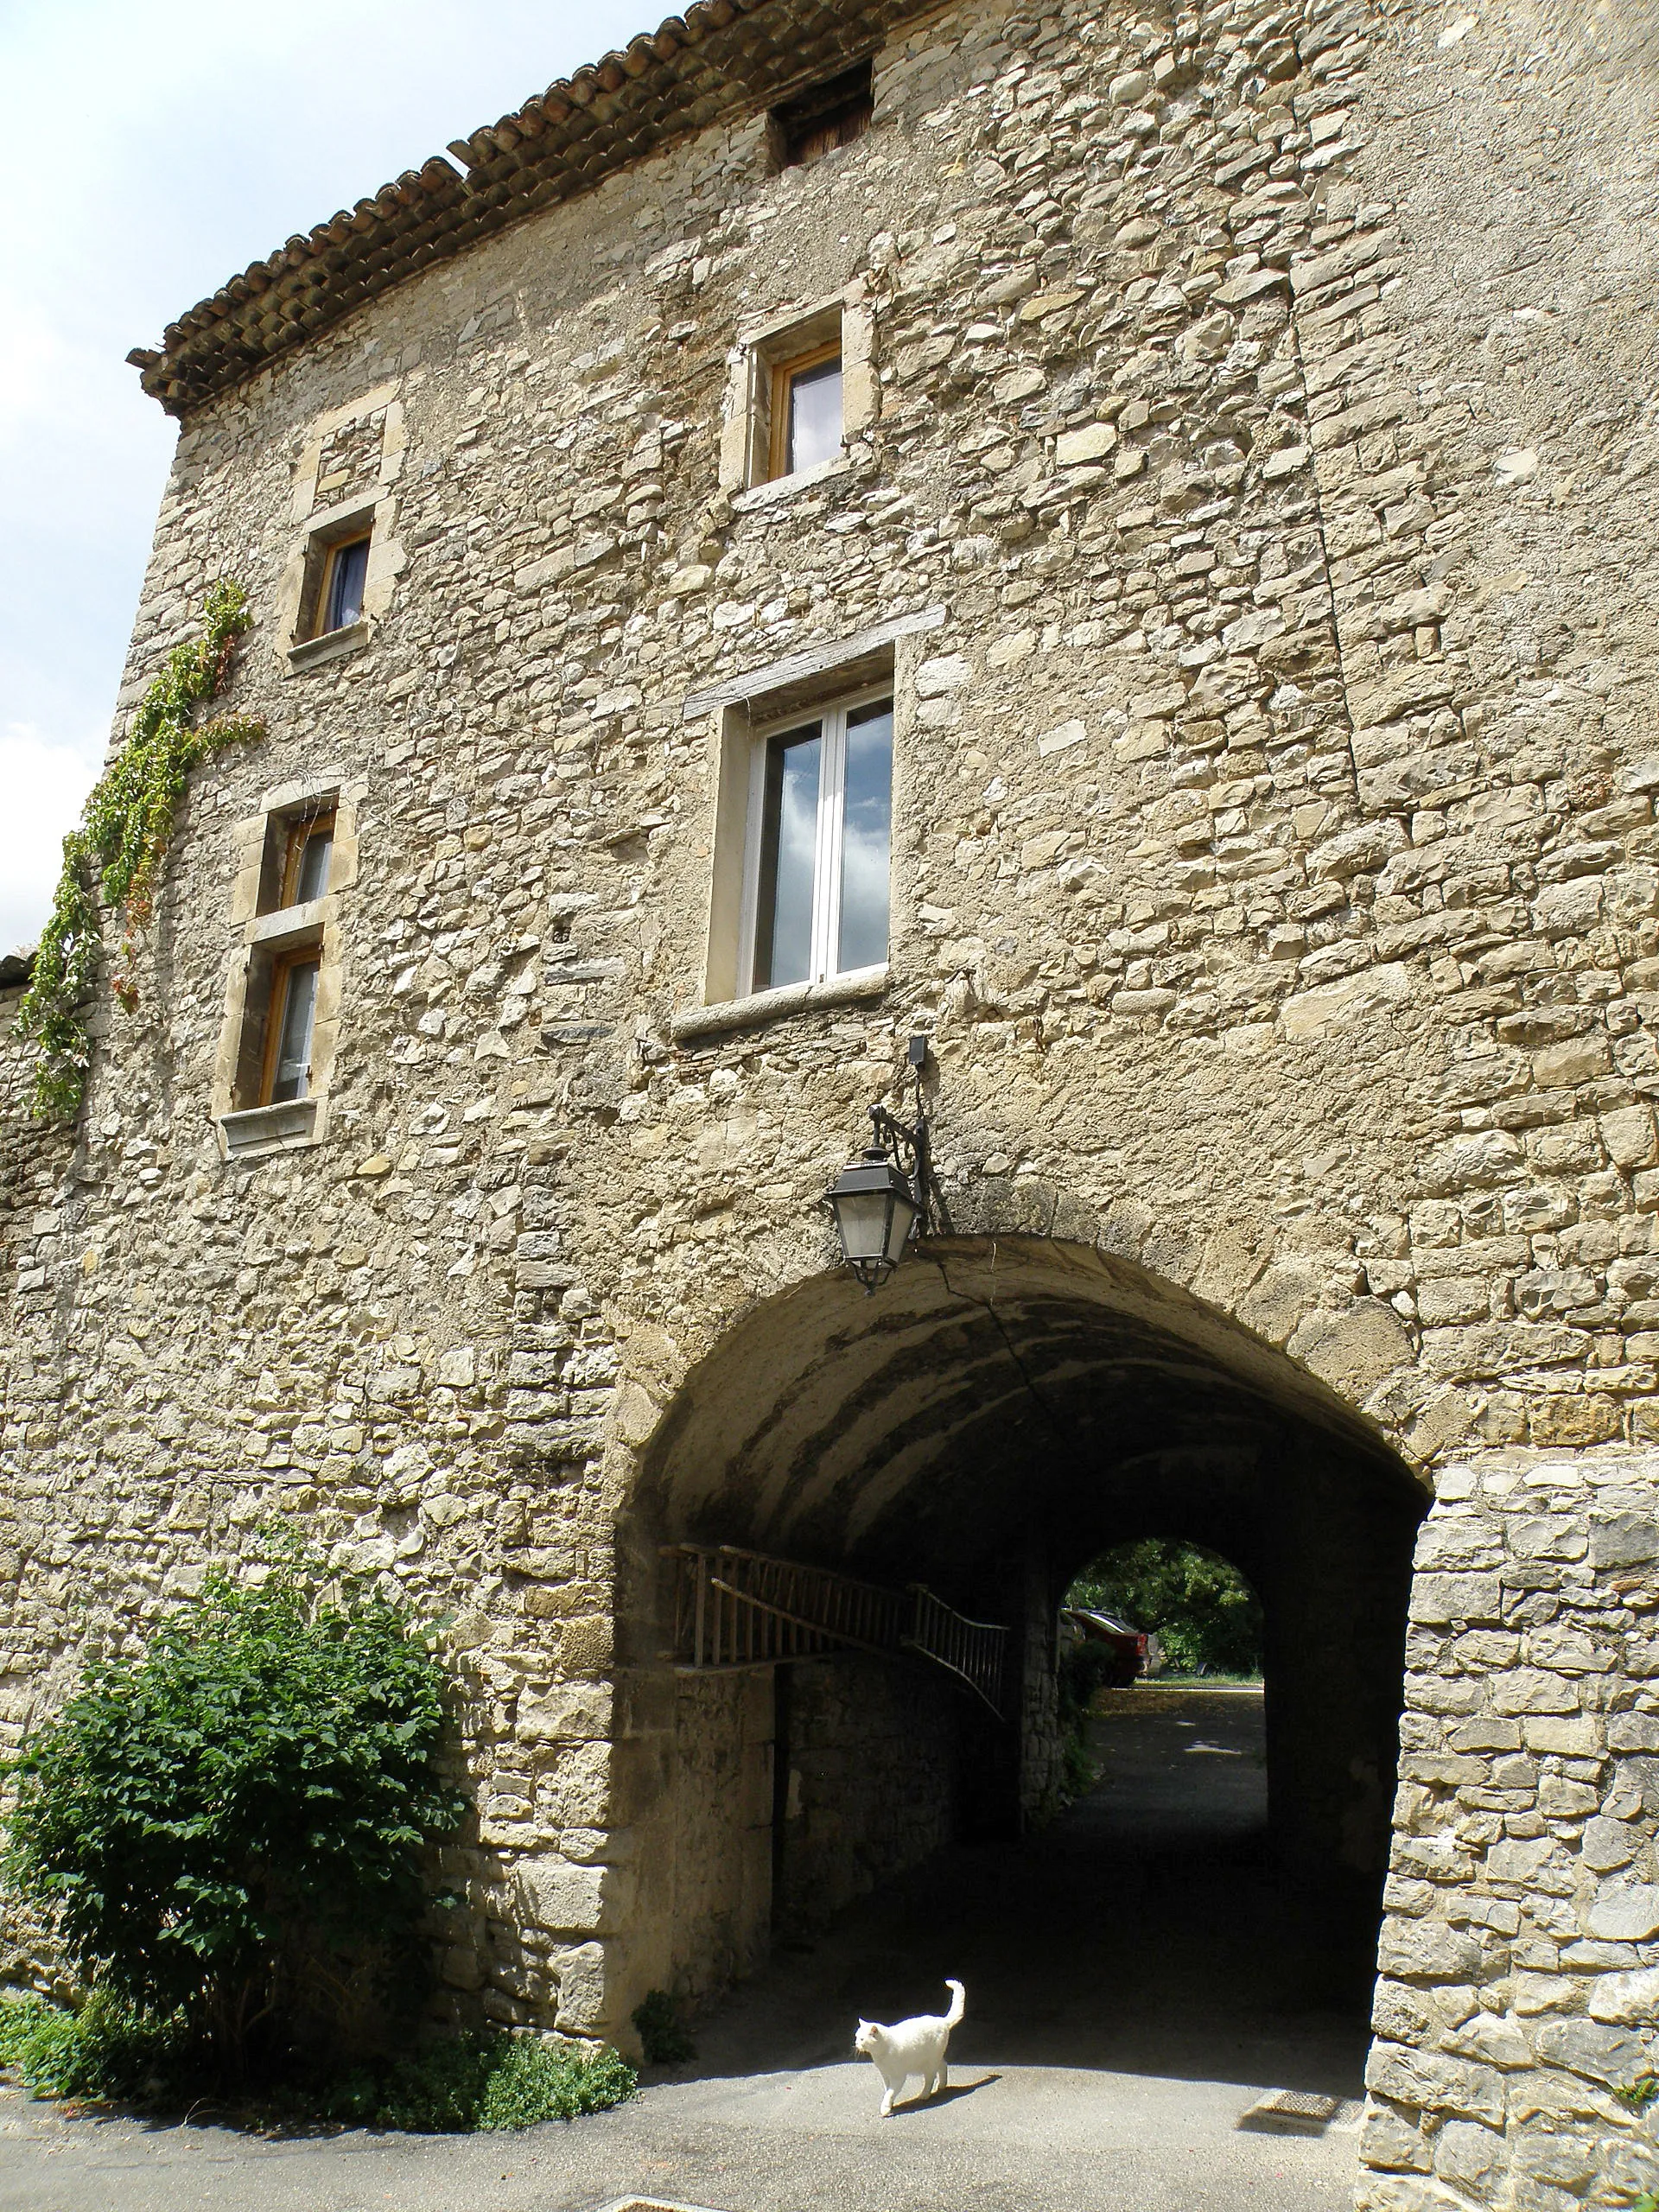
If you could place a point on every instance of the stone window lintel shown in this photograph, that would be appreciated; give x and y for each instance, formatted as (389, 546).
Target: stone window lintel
(290, 925)
(836, 663)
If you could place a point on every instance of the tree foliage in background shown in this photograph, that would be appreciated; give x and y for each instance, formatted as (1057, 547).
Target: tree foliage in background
(1202, 1610)
(229, 1830)
(116, 855)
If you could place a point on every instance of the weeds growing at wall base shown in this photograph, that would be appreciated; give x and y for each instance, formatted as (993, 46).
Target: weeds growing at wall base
(108, 2053)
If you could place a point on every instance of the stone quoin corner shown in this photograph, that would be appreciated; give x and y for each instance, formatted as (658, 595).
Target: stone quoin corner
(1113, 540)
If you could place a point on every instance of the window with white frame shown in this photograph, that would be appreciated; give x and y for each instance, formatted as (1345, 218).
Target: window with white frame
(816, 862)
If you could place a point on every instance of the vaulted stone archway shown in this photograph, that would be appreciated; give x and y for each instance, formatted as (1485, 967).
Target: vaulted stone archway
(1000, 1412)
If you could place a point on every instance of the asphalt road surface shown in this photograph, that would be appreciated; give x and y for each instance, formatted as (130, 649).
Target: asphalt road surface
(1135, 1981)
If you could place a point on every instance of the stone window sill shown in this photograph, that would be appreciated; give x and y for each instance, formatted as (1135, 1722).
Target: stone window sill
(778, 488)
(289, 1127)
(762, 1007)
(333, 644)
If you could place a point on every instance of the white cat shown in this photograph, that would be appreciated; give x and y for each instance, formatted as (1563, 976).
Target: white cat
(912, 2047)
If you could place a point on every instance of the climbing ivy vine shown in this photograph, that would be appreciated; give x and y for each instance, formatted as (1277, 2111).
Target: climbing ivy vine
(116, 855)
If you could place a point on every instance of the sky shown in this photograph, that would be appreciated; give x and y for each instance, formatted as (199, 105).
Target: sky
(155, 151)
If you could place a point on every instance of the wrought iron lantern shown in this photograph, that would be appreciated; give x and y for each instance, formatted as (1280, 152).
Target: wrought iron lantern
(875, 1211)
(886, 1197)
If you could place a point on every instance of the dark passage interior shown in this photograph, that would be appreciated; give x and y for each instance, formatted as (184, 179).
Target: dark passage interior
(993, 1421)
(1145, 1932)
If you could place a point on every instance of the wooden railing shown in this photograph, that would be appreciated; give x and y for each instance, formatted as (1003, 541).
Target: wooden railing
(734, 1608)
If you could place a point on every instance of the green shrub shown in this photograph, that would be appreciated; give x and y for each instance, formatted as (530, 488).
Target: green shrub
(103, 2051)
(483, 2081)
(1084, 1669)
(538, 2081)
(229, 1829)
(1078, 1771)
(454, 2084)
(663, 2035)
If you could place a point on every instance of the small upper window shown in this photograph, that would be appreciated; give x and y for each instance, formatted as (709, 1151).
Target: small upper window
(806, 411)
(339, 600)
(298, 864)
(823, 117)
(305, 864)
(820, 832)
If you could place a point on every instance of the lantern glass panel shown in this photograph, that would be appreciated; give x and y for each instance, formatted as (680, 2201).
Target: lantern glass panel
(899, 1228)
(863, 1216)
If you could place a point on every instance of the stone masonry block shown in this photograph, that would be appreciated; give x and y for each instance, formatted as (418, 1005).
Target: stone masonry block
(1439, 1599)
(1628, 1999)
(1427, 1951)
(1599, 2052)
(583, 2006)
(573, 1900)
(567, 1713)
(1425, 2081)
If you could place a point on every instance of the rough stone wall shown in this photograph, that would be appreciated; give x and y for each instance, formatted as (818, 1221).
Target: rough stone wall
(1520, 1969)
(712, 1832)
(1273, 859)
(34, 1160)
(870, 1786)
(1479, 361)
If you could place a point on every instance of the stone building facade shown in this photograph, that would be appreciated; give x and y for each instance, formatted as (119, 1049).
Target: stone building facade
(1244, 498)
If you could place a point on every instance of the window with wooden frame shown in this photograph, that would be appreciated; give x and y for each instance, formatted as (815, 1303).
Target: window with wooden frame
(801, 398)
(279, 1024)
(289, 1023)
(280, 1006)
(339, 601)
(828, 115)
(297, 863)
(308, 854)
(805, 409)
(818, 855)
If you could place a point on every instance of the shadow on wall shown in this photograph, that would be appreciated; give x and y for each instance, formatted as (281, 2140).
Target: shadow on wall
(996, 1418)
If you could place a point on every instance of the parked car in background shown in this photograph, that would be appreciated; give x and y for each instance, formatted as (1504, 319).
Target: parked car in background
(1130, 1648)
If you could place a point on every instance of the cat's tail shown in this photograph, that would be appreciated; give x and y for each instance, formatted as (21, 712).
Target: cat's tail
(959, 2003)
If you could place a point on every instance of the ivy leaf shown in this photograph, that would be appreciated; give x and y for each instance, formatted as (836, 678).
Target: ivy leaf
(116, 854)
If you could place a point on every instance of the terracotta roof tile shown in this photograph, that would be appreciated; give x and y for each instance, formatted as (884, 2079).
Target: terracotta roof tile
(720, 57)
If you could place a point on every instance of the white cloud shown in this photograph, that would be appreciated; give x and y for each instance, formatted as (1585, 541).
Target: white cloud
(42, 786)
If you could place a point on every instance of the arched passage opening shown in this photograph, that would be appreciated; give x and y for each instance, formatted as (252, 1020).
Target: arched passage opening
(1001, 1414)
